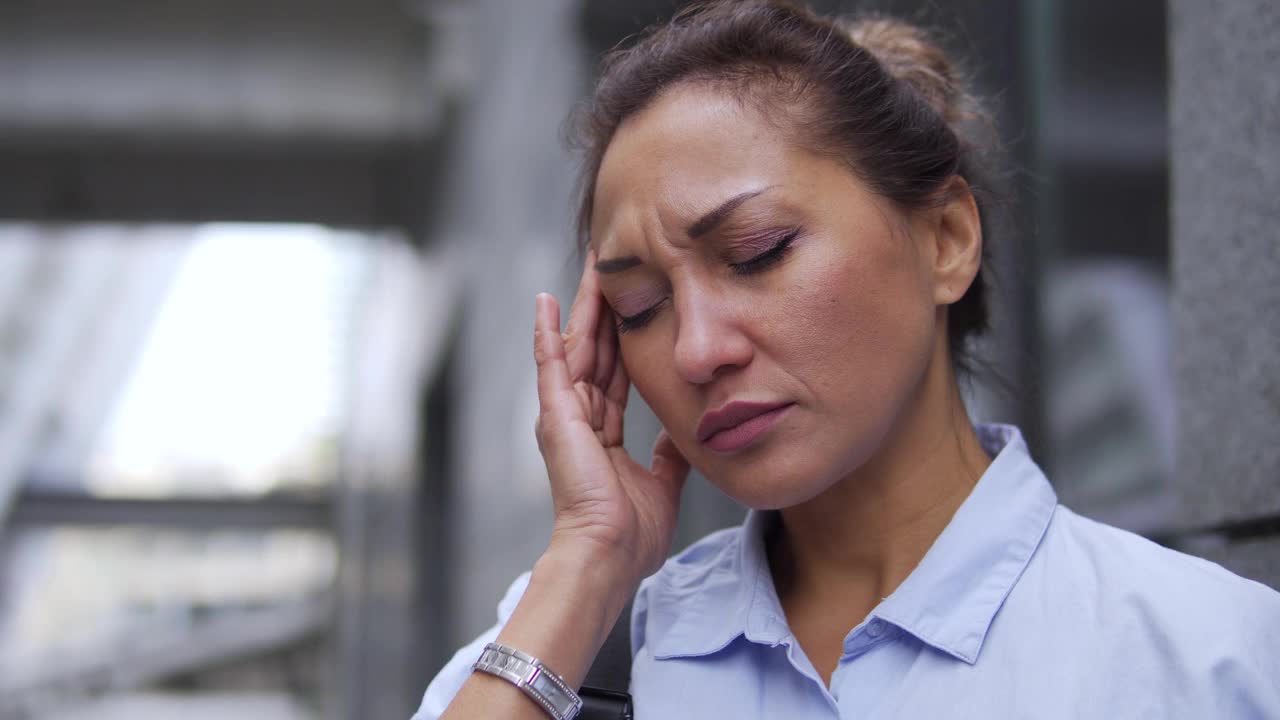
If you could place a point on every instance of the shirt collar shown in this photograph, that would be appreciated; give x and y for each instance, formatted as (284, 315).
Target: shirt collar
(702, 603)
(952, 596)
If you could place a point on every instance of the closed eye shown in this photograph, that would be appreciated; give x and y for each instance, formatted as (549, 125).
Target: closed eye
(767, 258)
(759, 263)
(634, 322)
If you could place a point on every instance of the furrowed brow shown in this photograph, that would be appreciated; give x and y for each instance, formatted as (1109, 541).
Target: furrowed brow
(701, 227)
(711, 220)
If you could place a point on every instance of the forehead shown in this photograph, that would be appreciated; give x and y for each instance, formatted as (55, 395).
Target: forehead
(689, 150)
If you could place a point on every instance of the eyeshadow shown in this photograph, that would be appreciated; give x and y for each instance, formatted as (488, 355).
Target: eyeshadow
(634, 300)
(751, 245)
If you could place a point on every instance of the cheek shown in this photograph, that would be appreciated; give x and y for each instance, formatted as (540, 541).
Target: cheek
(866, 330)
(648, 357)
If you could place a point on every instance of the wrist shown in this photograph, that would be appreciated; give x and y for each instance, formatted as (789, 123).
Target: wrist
(571, 603)
(598, 578)
(610, 557)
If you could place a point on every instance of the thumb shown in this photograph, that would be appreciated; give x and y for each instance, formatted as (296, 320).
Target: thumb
(668, 466)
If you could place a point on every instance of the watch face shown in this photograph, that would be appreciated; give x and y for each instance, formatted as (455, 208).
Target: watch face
(561, 700)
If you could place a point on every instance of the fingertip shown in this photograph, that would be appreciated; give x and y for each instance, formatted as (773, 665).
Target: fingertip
(591, 279)
(667, 459)
(546, 302)
(656, 463)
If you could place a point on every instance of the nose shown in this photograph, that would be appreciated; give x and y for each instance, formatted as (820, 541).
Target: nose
(709, 337)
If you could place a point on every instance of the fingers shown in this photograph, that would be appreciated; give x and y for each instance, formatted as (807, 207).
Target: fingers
(669, 466)
(584, 315)
(611, 374)
(618, 383)
(606, 348)
(555, 388)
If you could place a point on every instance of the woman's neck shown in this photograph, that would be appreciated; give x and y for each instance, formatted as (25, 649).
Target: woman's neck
(836, 556)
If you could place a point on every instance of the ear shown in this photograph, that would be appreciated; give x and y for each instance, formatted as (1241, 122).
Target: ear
(956, 243)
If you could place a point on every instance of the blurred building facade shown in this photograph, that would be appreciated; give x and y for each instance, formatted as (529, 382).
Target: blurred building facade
(266, 281)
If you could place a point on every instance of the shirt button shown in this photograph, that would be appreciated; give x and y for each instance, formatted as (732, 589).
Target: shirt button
(875, 628)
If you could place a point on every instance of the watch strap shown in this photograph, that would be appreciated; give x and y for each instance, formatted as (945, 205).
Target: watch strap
(533, 678)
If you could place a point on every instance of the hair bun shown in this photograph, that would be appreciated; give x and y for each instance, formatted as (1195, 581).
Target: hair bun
(909, 54)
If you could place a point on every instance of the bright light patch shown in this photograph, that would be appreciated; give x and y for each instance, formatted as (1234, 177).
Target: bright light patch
(240, 384)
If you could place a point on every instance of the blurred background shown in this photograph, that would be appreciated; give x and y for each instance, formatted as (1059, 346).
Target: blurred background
(267, 272)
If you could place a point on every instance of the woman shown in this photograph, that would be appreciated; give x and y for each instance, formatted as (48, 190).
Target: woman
(784, 246)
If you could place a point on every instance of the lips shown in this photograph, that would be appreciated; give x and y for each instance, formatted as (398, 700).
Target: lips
(738, 424)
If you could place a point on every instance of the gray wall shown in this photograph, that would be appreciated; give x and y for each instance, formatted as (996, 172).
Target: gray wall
(1225, 103)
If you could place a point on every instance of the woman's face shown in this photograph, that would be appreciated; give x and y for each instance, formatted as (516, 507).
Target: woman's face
(762, 291)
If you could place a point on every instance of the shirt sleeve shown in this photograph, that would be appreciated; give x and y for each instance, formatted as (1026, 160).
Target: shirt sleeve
(449, 680)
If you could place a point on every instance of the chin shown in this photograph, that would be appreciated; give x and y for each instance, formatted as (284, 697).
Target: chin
(766, 483)
(792, 468)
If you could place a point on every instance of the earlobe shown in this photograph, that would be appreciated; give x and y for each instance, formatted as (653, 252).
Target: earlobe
(958, 243)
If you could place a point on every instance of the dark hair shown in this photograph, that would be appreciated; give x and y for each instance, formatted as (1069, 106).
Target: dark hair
(875, 91)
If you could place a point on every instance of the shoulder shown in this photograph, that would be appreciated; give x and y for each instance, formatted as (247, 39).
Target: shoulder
(689, 569)
(1126, 566)
(708, 567)
(716, 552)
(1172, 614)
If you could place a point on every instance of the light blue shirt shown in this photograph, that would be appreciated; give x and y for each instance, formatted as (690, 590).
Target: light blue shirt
(1020, 609)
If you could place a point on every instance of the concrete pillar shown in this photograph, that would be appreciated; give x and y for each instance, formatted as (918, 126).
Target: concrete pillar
(1225, 154)
(506, 230)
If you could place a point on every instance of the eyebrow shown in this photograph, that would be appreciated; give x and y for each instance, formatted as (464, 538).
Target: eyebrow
(711, 220)
(617, 264)
(702, 226)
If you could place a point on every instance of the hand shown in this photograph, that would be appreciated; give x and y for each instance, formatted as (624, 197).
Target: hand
(604, 500)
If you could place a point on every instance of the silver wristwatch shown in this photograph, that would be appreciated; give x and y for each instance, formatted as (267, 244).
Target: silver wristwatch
(532, 677)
